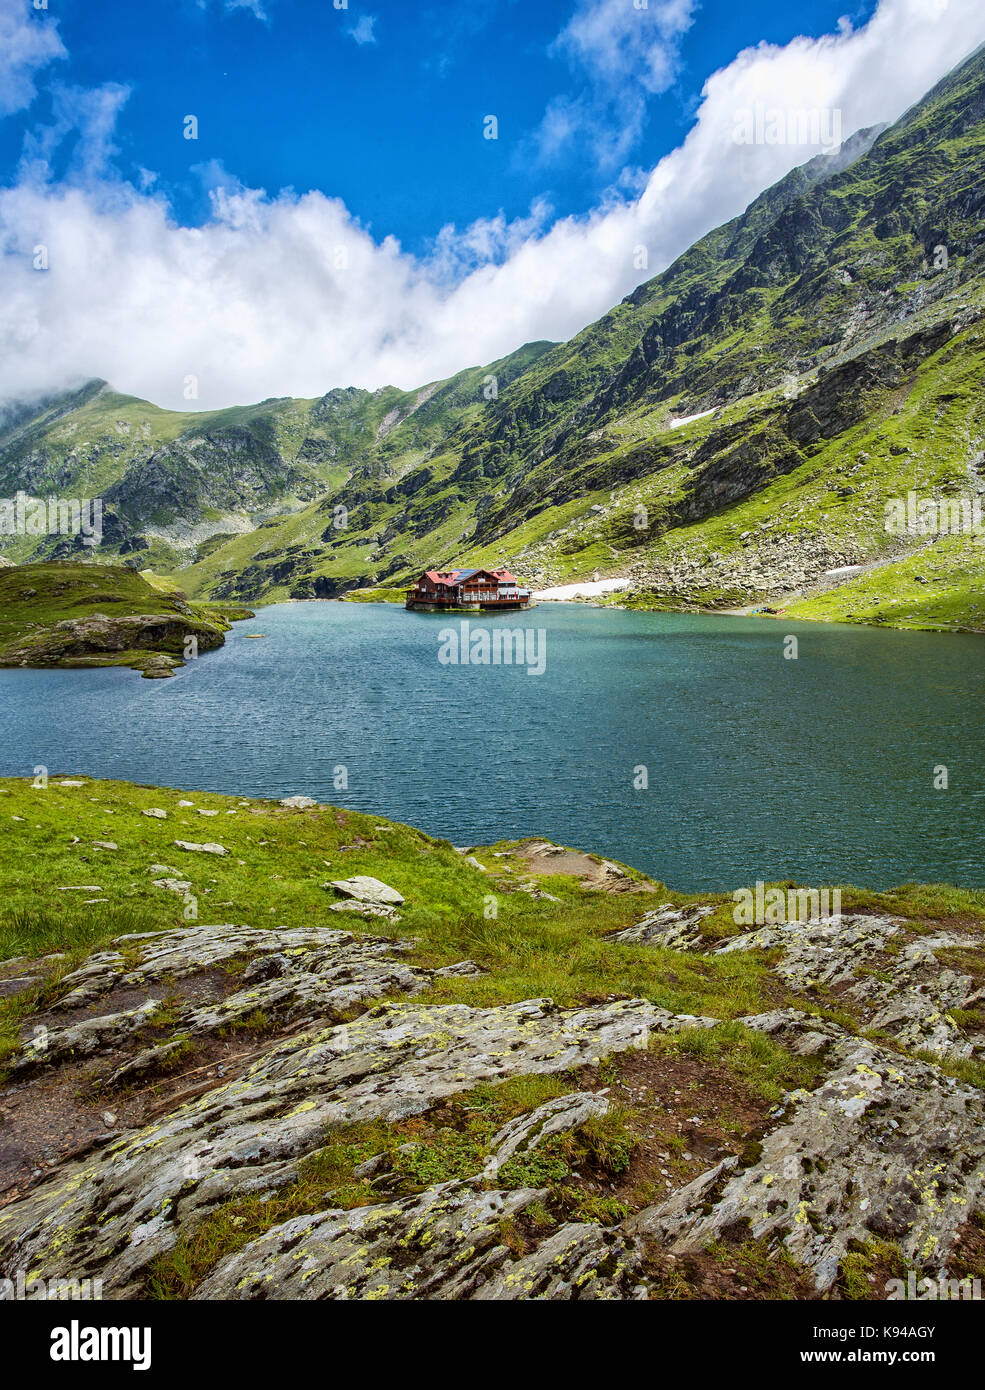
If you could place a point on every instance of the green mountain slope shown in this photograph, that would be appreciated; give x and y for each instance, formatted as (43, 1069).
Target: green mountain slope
(177, 485)
(725, 436)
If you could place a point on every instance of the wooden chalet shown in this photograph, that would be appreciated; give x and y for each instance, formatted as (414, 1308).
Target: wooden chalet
(467, 589)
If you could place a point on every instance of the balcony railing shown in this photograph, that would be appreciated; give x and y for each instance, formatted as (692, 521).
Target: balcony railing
(489, 599)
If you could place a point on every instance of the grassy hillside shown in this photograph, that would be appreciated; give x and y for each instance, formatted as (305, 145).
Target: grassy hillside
(833, 365)
(101, 615)
(940, 588)
(178, 485)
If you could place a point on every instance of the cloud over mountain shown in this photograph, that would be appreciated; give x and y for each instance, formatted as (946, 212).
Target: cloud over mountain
(288, 294)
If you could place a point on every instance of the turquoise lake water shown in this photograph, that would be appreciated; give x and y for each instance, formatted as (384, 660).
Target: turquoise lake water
(819, 769)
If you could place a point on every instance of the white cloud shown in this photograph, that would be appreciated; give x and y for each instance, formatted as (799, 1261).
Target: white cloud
(257, 302)
(362, 30)
(91, 112)
(487, 241)
(28, 42)
(613, 40)
(621, 54)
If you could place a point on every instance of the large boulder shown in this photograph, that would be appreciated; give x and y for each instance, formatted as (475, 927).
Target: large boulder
(365, 889)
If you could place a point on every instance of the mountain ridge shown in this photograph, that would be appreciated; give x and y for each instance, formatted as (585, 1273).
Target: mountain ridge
(783, 344)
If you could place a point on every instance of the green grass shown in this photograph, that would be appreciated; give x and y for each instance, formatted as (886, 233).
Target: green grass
(273, 874)
(767, 1068)
(278, 860)
(381, 595)
(864, 1270)
(942, 588)
(35, 598)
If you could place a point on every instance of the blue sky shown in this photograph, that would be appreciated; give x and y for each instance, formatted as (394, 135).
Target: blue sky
(341, 220)
(381, 104)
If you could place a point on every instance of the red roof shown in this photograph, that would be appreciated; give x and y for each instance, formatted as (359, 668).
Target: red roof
(456, 577)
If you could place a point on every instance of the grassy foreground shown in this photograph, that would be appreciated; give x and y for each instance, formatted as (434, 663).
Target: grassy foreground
(279, 858)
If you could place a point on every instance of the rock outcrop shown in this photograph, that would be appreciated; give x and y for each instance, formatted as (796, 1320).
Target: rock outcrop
(113, 1211)
(886, 1146)
(446, 1244)
(881, 1146)
(891, 974)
